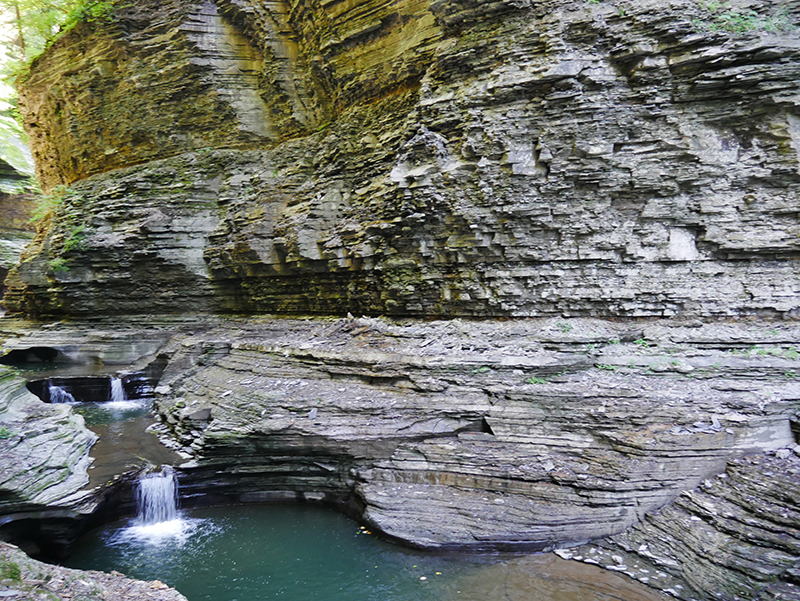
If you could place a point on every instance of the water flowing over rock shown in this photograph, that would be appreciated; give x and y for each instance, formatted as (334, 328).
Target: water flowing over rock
(157, 497)
(56, 394)
(521, 434)
(117, 391)
(477, 437)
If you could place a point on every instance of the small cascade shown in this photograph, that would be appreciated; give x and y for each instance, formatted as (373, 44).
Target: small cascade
(118, 400)
(117, 391)
(57, 394)
(157, 497)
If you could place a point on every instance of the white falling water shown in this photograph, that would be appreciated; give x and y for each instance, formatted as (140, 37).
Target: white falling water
(58, 394)
(118, 401)
(158, 520)
(157, 497)
(117, 391)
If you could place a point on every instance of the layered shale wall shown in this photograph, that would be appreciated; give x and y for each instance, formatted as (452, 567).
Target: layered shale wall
(418, 158)
(560, 160)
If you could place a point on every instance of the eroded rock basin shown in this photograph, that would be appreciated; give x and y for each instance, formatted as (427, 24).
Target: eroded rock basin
(306, 552)
(522, 435)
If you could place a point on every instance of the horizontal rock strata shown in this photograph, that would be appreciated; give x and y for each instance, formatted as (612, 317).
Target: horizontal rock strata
(522, 434)
(46, 494)
(418, 158)
(45, 450)
(24, 578)
(16, 209)
(451, 435)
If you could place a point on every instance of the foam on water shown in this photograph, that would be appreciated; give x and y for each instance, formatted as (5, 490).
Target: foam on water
(176, 531)
(158, 519)
(301, 552)
(117, 391)
(123, 405)
(157, 497)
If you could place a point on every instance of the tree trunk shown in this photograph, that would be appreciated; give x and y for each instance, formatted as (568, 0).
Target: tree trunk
(19, 29)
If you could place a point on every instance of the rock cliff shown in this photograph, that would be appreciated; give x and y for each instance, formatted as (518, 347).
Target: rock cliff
(568, 161)
(518, 434)
(419, 158)
(16, 210)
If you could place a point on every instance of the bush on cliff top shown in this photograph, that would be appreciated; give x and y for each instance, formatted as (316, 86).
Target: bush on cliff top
(37, 23)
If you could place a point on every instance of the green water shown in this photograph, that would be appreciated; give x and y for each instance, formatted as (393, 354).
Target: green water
(302, 553)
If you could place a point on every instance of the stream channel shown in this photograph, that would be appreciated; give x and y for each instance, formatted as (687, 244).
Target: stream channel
(300, 552)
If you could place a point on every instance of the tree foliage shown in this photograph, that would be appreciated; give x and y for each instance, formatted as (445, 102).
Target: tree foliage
(30, 25)
(35, 23)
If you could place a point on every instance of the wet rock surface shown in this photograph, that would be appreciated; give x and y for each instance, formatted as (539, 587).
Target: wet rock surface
(482, 435)
(45, 450)
(24, 578)
(48, 453)
(565, 161)
(474, 435)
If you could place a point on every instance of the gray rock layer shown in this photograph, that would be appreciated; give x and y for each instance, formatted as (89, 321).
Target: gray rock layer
(44, 450)
(743, 522)
(474, 436)
(419, 158)
(35, 580)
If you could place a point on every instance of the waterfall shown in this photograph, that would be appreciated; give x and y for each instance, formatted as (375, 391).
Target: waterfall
(56, 394)
(157, 497)
(118, 401)
(117, 391)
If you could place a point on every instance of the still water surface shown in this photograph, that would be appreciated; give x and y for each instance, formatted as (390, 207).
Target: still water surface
(304, 553)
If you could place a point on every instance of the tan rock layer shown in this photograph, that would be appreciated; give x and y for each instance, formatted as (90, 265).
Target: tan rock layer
(458, 158)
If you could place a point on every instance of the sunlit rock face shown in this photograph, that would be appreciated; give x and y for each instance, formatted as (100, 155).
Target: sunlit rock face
(416, 158)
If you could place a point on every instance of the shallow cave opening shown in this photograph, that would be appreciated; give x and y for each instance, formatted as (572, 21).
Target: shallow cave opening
(34, 354)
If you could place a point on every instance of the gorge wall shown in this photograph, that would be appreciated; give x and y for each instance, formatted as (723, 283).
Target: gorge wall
(594, 165)
(16, 209)
(417, 158)
(669, 448)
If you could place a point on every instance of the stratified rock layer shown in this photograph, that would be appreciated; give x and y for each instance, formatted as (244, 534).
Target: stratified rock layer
(518, 434)
(476, 436)
(418, 158)
(743, 522)
(24, 578)
(16, 211)
(44, 449)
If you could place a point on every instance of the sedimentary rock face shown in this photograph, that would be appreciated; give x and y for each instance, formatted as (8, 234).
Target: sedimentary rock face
(417, 158)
